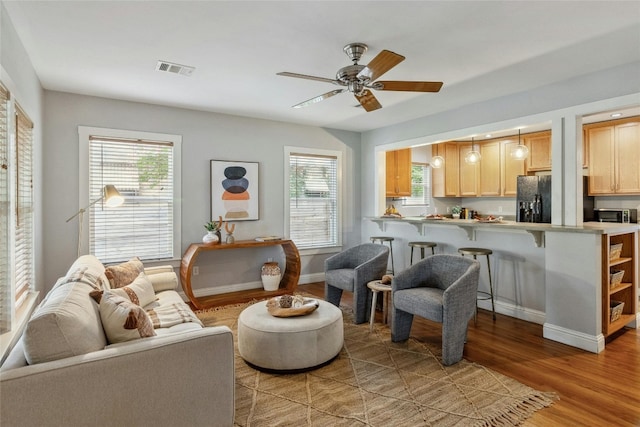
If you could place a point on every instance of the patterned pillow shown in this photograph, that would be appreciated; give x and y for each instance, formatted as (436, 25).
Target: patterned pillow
(123, 320)
(139, 292)
(123, 274)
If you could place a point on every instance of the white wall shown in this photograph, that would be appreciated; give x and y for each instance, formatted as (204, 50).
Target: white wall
(205, 136)
(18, 75)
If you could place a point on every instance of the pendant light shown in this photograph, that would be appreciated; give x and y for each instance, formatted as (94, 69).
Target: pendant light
(519, 152)
(437, 161)
(472, 156)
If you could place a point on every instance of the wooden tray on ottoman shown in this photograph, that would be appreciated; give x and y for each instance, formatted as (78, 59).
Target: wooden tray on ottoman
(273, 307)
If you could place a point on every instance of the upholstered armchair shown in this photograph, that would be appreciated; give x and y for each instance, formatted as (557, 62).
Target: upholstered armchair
(441, 288)
(351, 270)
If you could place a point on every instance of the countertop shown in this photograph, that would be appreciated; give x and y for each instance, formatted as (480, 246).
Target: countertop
(535, 229)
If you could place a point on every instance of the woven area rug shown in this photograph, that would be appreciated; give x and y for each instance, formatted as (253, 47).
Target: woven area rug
(374, 382)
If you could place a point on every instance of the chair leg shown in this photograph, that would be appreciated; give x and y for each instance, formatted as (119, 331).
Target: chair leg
(454, 337)
(332, 295)
(493, 306)
(373, 310)
(400, 325)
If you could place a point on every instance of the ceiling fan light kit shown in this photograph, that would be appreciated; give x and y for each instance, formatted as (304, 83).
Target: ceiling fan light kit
(360, 79)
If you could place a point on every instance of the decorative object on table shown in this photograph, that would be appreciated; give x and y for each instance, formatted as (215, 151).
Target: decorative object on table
(229, 229)
(234, 190)
(213, 232)
(386, 279)
(270, 275)
(291, 306)
(455, 211)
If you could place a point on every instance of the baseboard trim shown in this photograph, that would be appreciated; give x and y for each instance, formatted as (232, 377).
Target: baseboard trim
(592, 343)
(512, 310)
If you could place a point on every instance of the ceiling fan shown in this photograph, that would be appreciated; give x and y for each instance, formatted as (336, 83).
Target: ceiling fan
(358, 79)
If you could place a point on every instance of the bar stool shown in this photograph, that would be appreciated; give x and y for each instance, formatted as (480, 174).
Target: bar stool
(482, 295)
(422, 246)
(382, 240)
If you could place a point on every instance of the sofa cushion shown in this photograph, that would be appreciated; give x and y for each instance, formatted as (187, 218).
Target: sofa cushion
(139, 292)
(123, 320)
(66, 324)
(123, 274)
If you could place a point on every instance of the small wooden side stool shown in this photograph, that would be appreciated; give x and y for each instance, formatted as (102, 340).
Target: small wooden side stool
(377, 286)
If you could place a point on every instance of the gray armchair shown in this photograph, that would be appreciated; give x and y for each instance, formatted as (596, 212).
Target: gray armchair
(351, 270)
(441, 288)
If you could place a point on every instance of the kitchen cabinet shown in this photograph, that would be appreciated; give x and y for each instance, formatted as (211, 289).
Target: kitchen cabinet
(490, 169)
(398, 174)
(511, 168)
(614, 155)
(446, 180)
(539, 145)
(623, 290)
(469, 172)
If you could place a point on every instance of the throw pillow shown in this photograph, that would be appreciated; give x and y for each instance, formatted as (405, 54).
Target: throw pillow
(139, 292)
(123, 274)
(123, 320)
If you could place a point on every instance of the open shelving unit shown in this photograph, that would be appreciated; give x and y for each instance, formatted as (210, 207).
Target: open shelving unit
(625, 291)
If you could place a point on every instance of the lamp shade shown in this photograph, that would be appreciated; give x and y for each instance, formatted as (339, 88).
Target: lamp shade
(112, 197)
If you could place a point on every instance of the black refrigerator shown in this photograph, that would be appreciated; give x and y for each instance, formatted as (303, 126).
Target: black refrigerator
(533, 199)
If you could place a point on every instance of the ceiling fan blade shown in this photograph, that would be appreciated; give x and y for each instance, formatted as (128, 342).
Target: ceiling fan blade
(318, 98)
(379, 65)
(368, 101)
(304, 76)
(408, 86)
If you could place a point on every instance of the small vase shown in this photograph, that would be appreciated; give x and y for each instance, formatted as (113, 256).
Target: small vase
(210, 238)
(270, 276)
(455, 216)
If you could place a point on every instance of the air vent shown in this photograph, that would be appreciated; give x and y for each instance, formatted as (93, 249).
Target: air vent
(170, 67)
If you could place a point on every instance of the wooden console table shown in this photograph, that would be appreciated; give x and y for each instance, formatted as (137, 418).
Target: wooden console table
(288, 283)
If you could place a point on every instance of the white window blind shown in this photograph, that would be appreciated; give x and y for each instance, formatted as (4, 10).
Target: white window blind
(313, 200)
(5, 287)
(143, 172)
(23, 263)
(420, 185)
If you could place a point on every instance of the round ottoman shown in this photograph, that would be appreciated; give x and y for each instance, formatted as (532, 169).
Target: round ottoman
(289, 343)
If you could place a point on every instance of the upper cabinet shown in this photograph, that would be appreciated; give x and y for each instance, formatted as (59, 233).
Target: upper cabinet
(614, 156)
(539, 145)
(490, 166)
(398, 174)
(511, 168)
(495, 175)
(469, 172)
(446, 179)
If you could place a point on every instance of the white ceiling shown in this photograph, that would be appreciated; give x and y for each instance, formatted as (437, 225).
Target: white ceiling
(479, 49)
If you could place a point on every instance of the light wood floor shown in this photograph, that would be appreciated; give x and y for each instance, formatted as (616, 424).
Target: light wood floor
(595, 389)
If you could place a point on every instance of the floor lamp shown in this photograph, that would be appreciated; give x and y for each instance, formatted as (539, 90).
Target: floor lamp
(112, 199)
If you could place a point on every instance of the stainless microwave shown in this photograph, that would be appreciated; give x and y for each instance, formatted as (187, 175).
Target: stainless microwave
(616, 215)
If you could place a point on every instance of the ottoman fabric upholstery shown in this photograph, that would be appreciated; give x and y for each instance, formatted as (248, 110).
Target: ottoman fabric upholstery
(290, 343)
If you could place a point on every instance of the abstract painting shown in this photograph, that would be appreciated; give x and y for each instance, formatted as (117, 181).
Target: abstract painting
(234, 190)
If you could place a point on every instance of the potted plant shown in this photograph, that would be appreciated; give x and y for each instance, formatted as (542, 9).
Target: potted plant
(455, 211)
(213, 231)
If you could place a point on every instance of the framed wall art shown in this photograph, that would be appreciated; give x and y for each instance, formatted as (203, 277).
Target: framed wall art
(234, 190)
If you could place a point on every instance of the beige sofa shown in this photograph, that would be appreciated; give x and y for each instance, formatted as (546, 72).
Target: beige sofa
(64, 370)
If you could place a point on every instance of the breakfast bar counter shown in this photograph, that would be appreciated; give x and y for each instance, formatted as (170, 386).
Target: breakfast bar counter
(554, 275)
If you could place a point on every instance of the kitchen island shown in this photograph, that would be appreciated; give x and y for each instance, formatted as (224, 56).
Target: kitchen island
(549, 274)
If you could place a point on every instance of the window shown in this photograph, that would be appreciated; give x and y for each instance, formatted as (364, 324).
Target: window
(420, 185)
(16, 208)
(5, 289)
(144, 167)
(313, 205)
